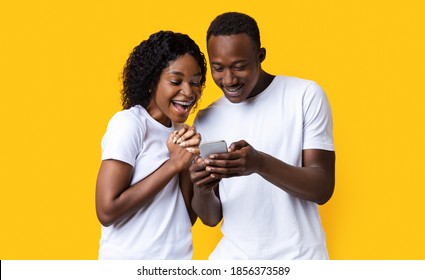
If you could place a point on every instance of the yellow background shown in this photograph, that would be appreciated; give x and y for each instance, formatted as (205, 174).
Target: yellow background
(60, 62)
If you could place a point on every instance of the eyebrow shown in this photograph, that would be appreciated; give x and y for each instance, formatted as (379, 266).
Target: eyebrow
(233, 63)
(178, 73)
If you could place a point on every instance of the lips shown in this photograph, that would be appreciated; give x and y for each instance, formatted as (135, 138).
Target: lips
(183, 106)
(232, 91)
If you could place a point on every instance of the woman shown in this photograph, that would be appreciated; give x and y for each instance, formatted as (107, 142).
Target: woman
(143, 190)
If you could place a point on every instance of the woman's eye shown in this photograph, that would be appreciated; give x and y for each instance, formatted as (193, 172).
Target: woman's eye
(177, 83)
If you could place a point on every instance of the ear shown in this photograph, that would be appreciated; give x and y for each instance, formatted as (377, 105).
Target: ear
(262, 54)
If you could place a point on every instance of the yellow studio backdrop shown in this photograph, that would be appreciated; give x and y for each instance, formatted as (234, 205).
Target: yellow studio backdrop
(60, 63)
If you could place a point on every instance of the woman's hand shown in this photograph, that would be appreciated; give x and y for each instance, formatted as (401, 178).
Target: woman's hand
(183, 146)
(188, 138)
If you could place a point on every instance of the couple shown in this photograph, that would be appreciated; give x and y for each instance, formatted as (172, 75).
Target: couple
(280, 164)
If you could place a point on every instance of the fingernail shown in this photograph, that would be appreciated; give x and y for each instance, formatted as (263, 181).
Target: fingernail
(182, 144)
(179, 140)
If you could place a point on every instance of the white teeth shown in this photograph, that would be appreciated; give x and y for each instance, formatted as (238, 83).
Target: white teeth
(233, 89)
(183, 103)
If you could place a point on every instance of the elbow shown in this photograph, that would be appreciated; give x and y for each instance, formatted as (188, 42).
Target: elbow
(322, 201)
(208, 218)
(327, 193)
(210, 222)
(105, 218)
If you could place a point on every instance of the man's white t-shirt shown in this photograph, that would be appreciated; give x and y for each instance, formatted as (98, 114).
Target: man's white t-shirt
(161, 229)
(261, 221)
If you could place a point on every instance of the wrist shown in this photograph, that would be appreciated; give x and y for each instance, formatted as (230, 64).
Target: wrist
(261, 167)
(174, 165)
(204, 191)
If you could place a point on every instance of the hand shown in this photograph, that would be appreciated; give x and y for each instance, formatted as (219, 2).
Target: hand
(202, 179)
(183, 145)
(188, 138)
(242, 159)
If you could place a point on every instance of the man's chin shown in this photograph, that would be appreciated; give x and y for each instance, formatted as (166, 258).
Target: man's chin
(234, 99)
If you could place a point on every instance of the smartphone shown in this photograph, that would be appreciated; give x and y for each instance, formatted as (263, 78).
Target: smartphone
(212, 147)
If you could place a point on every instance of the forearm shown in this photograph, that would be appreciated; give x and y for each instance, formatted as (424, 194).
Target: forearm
(207, 205)
(134, 197)
(313, 183)
(186, 187)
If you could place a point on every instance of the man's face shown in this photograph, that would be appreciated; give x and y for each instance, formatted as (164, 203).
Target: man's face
(235, 65)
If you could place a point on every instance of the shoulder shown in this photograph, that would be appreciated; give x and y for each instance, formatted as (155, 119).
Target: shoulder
(300, 89)
(297, 84)
(128, 120)
(214, 107)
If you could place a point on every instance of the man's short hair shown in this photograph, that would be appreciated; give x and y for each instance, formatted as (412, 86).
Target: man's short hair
(232, 23)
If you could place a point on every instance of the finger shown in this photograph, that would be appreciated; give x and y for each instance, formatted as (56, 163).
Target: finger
(193, 150)
(172, 138)
(208, 186)
(224, 157)
(197, 166)
(206, 182)
(189, 133)
(194, 141)
(197, 159)
(217, 176)
(220, 171)
(178, 133)
(238, 145)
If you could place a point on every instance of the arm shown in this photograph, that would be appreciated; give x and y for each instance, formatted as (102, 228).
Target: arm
(314, 181)
(116, 199)
(188, 138)
(186, 187)
(206, 201)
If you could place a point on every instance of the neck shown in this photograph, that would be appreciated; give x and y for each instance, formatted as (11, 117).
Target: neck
(264, 81)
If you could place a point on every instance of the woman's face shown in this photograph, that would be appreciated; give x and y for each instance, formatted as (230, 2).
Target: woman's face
(178, 90)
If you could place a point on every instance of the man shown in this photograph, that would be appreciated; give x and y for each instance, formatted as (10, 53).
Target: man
(281, 161)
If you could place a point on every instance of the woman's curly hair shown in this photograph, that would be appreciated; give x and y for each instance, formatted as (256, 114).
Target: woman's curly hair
(147, 61)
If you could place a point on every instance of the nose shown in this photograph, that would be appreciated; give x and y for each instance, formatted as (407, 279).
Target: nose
(229, 78)
(187, 90)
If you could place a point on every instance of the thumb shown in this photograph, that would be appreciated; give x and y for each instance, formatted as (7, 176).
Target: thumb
(237, 145)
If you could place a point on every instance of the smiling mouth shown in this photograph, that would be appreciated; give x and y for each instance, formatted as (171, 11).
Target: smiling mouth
(233, 91)
(183, 105)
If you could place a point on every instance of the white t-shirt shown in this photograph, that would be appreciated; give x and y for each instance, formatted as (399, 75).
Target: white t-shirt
(161, 229)
(261, 221)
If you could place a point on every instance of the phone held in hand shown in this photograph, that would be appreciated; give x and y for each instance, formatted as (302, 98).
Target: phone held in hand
(212, 147)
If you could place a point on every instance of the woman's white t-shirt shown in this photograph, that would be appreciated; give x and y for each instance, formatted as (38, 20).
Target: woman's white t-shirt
(161, 229)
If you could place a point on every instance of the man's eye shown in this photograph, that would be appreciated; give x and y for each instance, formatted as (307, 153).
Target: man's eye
(218, 69)
(239, 67)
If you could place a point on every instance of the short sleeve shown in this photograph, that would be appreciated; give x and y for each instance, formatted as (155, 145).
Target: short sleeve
(318, 126)
(123, 138)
